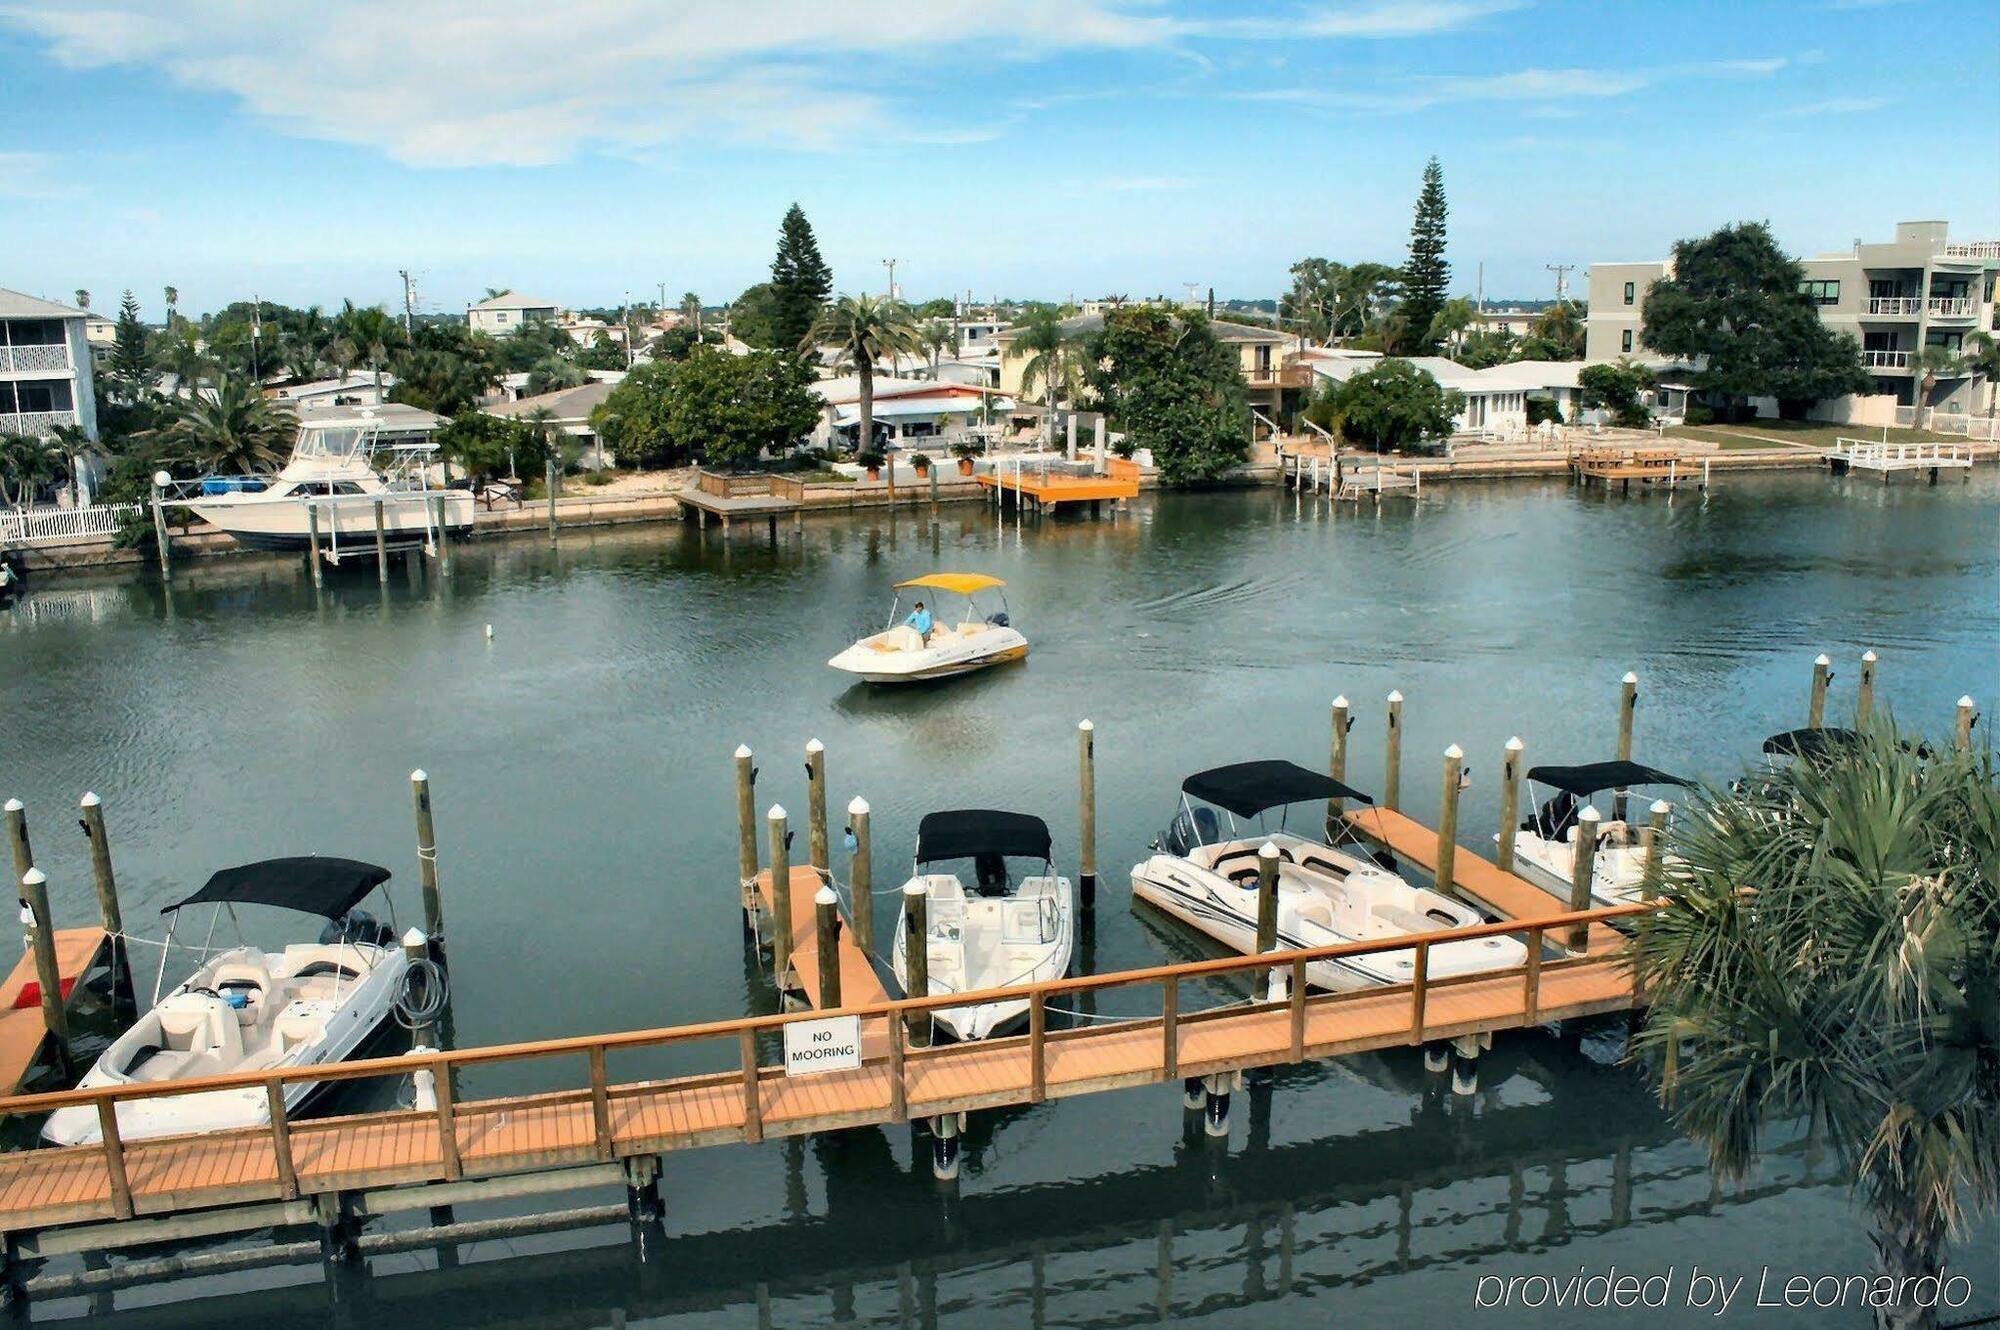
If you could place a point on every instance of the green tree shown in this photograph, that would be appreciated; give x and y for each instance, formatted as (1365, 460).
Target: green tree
(632, 419)
(602, 354)
(82, 299)
(1449, 324)
(800, 280)
(757, 319)
(553, 374)
(1427, 274)
(864, 329)
(938, 340)
(131, 365)
(679, 343)
(1930, 364)
(27, 463)
(1556, 334)
(691, 308)
(443, 381)
(233, 429)
(372, 333)
(1174, 387)
(731, 409)
(1485, 347)
(1984, 359)
(1832, 956)
(1055, 361)
(1734, 310)
(1395, 405)
(488, 446)
(1313, 299)
(1616, 388)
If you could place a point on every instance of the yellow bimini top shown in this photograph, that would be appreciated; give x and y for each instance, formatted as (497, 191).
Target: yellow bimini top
(963, 583)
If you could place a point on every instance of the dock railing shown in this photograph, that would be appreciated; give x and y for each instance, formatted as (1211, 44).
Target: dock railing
(751, 1072)
(1874, 452)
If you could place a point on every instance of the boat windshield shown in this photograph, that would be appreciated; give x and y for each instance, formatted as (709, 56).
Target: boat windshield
(334, 443)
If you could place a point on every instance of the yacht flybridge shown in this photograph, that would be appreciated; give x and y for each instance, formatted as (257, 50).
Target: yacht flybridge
(341, 467)
(993, 932)
(1545, 845)
(244, 1009)
(1205, 873)
(903, 653)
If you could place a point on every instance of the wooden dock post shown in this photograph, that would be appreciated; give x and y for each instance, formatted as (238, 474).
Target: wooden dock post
(1510, 802)
(160, 481)
(312, 541)
(1822, 675)
(1656, 844)
(1447, 848)
(781, 896)
(1967, 718)
(381, 545)
(817, 853)
(444, 536)
(1628, 706)
(122, 994)
(1583, 872)
(17, 838)
(427, 858)
(860, 875)
(746, 835)
(917, 956)
(1267, 897)
(549, 483)
(48, 974)
(1392, 760)
(1086, 796)
(826, 932)
(1864, 697)
(1336, 760)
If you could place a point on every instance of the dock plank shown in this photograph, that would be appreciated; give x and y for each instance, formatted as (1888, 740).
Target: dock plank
(22, 1030)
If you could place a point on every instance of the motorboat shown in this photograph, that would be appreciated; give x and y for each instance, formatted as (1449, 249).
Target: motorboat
(341, 467)
(1545, 844)
(983, 635)
(1204, 872)
(994, 931)
(245, 1009)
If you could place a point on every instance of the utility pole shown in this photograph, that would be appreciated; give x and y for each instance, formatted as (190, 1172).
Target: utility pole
(409, 304)
(1562, 272)
(1479, 298)
(663, 301)
(628, 329)
(256, 335)
(890, 264)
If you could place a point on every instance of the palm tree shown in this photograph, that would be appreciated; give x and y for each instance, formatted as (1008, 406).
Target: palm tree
(1832, 956)
(372, 333)
(691, 307)
(1055, 360)
(1449, 325)
(73, 441)
(938, 341)
(1985, 359)
(234, 430)
(1931, 363)
(173, 294)
(864, 329)
(553, 373)
(183, 357)
(27, 462)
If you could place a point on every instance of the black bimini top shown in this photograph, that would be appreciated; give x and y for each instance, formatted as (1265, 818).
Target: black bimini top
(962, 833)
(1810, 742)
(1248, 788)
(1594, 776)
(306, 883)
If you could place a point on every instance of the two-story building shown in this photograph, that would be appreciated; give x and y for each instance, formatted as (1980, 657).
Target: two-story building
(1894, 297)
(509, 312)
(44, 367)
(1266, 357)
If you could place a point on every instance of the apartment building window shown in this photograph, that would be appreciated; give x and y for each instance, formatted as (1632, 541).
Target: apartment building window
(1625, 340)
(1989, 287)
(39, 395)
(32, 332)
(1821, 293)
(1953, 342)
(1631, 291)
(1879, 341)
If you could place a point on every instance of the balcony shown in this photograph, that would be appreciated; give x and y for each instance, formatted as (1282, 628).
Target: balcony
(1895, 307)
(1951, 307)
(1278, 376)
(36, 423)
(1978, 249)
(1886, 359)
(35, 356)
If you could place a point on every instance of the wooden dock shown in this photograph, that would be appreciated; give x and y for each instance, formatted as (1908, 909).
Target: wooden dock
(235, 1178)
(1886, 459)
(1325, 471)
(1651, 467)
(729, 498)
(860, 984)
(22, 1027)
(1048, 489)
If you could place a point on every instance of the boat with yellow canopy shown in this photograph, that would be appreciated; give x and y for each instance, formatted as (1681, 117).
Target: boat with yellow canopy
(925, 644)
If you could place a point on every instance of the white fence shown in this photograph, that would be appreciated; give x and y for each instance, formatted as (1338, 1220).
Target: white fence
(1980, 429)
(60, 526)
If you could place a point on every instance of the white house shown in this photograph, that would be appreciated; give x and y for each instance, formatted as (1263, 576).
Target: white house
(1496, 398)
(907, 412)
(353, 390)
(45, 363)
(509, 312)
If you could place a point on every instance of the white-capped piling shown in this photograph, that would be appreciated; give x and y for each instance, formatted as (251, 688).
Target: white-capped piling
(1655, 838)
(1086, 814)
(1583, 871)
(826, 937)
(17, 838)
(1864, 697)
(1336, 759)
(780, 838)
(1447, 841)
(381, 544)
(1510, 801)
(42, 942)
(106, 881)
(1822, 675)
(1392, 759)
(160, 482)
(312, 541)
(816, 848)
(861, 875)
(1967, 718)
(746, 830)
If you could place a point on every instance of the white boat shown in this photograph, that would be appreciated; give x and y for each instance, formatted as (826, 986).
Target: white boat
(1206, 875)
(340, 468)
(900, 654)
(994, 932)
(245, 1009)
(1545, 844)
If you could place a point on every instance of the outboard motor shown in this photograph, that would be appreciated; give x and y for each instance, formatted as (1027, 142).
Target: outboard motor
(359, 927)
(1553, 819)
(1191, 827)
(997, 619)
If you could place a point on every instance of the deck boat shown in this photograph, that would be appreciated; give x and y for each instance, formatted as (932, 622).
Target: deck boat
(245, 1009)
(1544, 846)
(340, 467)
(1206, 875)
(993, 932)
(900, 654)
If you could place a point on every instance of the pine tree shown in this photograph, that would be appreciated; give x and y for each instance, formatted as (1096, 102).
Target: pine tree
(129, 360)
(800, 280)
(1426, 277)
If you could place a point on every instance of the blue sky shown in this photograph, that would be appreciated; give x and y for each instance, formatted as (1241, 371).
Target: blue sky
(1032, 149)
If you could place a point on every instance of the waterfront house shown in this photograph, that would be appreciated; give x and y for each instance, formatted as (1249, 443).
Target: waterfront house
(1495, 399)
(351, 390)
(909, 413)
(569, 415)
(1266, 357)
(510, 312)
(101, 331)
(45, 366)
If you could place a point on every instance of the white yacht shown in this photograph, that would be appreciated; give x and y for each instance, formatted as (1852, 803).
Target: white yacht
(900, 653)
(342, 465)
(1206, 875)
(245, 1009)
(1545, 844)
(994, 932)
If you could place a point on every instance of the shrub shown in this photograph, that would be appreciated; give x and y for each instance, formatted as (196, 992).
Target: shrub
(1699, 414)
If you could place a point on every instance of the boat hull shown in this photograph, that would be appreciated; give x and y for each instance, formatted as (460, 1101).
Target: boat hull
(344, 523)
(997, 646)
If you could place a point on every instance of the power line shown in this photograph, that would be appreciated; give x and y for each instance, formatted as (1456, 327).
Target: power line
(1562, 272)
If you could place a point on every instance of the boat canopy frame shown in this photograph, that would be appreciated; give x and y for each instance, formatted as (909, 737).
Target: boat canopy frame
(969, 586)
(967, 833)
(1252, 789)
(1590, 778)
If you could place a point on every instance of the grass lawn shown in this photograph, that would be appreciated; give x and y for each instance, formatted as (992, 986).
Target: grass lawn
(1802, 433)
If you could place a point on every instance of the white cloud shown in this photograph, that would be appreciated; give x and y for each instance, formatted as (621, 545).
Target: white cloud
(1540, 91)
(32, 175)
(1835, 106)
(1362, 19)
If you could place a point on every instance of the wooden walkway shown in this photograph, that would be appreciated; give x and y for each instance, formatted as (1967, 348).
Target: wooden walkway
(860, 985)
(603, 1121)
(1648, 466)
(22, 1029)
(1886, 458)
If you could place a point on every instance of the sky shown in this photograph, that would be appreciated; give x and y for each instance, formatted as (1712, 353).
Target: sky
(1028, 148)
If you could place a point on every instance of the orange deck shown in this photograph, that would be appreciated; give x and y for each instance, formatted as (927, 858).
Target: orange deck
(1056, 489)
(22, 1031)
(859, 986)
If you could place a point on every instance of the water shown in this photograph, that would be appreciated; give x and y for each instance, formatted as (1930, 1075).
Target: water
(581, 770)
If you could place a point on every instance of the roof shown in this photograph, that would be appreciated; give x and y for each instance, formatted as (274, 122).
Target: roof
(1224, 329)
(21, 305)
(1248, 788)
(308, 883)
(1514, 376)
(389, 416)
(964, 832)
(317, 387)
(847, 388)
(964, 584)
(514, 300)
(920, 405)
(1594, 776)
(564, 403)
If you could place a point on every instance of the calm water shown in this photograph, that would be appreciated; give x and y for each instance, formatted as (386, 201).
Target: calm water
(581, 770)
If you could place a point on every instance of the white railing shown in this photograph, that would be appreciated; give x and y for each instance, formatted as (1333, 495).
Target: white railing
(51, 355)
(34, 422)
(1877, 453)
(56, 526)
(1886, 359)
(1978, 249)
(1950, 307)
(1899, 306)
(1980, 429)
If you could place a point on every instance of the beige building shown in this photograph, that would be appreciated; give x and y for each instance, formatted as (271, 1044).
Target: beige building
(509, 312)
(1266, 357)
(1919, 289)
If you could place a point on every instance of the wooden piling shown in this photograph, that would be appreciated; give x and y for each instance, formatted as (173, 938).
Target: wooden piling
(781, 895)
(550, 484)
(826, 930)
(1583, 872)
(861, 875)
(444, 536)
(817, 853)
(17, 838)
(1628, 706)
(100, 863)
(1336, 761)
(1392, 760)
(42, 938)
(917, 956)
(1967, 718)
(1267, 897)
(1447, 842)
(746, 826)
(1655, 836)
(1510, 802)
(427, 862)
(1086, 796)
(1864, 698)
(381, 545)
(1821, 676)
(312, 540)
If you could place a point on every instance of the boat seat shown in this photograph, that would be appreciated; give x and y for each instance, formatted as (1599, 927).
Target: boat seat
(197, 1025)
(1408, 921)
(249, 978)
